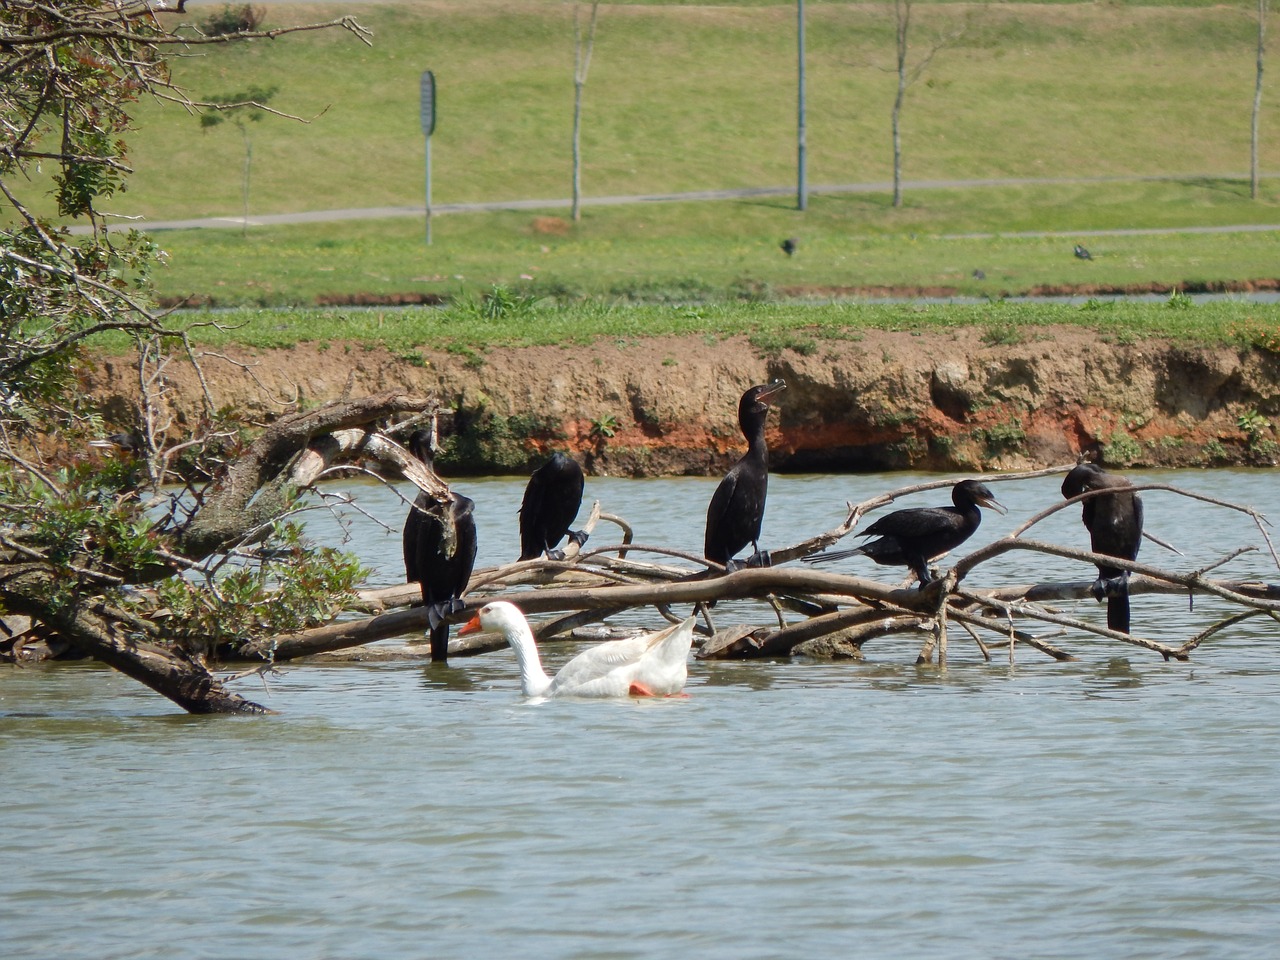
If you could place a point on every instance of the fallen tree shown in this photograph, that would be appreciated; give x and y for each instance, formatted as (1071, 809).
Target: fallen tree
(85, 591)
(97, 554)
(604, 580)
(790, 608)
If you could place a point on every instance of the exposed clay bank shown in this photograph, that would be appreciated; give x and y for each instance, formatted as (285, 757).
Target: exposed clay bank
(942, 400)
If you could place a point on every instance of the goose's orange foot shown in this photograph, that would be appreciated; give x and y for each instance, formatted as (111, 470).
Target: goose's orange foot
(640, 690)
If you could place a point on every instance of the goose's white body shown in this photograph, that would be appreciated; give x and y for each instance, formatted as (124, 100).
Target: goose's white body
(655, 664)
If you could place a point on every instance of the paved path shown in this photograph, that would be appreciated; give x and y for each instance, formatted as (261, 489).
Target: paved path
(377, 213)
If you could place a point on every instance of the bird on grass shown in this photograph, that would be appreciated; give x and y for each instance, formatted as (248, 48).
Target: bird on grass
(736, 510)
(653, 665)
(913, 536)
(1114, 522)
(1081, 253)
(439, 549)
(551, 501)
(790, 246)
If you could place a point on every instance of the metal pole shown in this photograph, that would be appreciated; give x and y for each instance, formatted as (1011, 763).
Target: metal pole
(802, 188)
(428, 191)
(427, 110)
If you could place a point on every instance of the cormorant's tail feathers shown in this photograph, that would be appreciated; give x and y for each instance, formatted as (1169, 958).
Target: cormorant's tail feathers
(1115, 590)
(440, 642)
(439, 627)
(1118, 612)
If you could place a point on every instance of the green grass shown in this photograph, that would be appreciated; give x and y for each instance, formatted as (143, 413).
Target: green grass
(772, 327)
(694, 97)
(688, 97)
(712, 250)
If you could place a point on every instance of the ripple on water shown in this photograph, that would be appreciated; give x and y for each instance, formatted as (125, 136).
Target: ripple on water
(1117, 806)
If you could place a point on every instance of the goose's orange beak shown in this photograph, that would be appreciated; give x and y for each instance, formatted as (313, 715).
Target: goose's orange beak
(471, 626)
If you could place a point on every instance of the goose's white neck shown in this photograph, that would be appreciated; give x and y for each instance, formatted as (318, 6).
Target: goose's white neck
(533, 679)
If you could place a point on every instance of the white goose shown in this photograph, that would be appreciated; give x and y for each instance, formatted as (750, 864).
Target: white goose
(653, 665)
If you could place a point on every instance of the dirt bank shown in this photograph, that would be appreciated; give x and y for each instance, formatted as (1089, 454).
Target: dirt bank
(877, 401)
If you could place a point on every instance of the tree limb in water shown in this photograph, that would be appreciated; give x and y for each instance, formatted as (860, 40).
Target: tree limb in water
(856, 607)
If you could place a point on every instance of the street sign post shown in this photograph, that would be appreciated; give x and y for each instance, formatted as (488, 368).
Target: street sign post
(428, 114)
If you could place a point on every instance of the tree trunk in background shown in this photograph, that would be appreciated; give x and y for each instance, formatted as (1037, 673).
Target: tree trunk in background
(244, 187)
(902, 14)
(1257, 100)
(581, 64)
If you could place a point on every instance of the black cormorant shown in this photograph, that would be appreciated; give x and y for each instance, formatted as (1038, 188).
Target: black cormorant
(551, 501)
(916, 535)
(1114, 522)
(737, 507)
(439, 549)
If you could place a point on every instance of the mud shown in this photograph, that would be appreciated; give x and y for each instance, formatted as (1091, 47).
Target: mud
(943, 400)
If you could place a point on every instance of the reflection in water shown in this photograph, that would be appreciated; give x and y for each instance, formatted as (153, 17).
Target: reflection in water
(439, 676)
(1115, 675)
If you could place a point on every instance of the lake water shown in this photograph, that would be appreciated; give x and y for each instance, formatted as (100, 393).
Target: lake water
(1118, 806)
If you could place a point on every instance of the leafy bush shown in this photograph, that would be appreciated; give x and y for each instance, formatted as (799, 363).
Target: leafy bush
(233, 19)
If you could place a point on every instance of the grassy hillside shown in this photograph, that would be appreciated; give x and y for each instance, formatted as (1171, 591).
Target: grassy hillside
(685, 97)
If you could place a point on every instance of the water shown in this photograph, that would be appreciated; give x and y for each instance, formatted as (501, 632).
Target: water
(1118, 806)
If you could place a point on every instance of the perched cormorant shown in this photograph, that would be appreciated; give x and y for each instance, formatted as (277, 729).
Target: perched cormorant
(1114, 522)
(551, 501)
(439, 549)
(737, 507)
(1081, 253)
(916, 535)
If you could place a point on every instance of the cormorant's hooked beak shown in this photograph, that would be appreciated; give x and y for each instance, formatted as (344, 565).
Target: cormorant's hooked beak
(991, 504)
(771, 391)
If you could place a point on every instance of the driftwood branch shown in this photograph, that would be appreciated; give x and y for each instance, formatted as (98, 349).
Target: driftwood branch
(290, 454)
(592, 584)
(872, 606)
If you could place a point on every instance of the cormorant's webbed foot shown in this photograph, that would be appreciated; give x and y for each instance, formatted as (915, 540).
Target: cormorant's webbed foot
(760, 558)
(439, 611)
(575, 536)
(1105, 587)
(731, 566)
